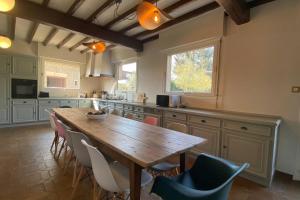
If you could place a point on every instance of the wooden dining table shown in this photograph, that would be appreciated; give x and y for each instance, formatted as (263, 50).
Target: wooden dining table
(134, 144)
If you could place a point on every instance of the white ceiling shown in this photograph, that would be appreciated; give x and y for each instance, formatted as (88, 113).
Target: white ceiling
(24, 27)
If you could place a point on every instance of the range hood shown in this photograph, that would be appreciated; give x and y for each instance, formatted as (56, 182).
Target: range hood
(99, 65)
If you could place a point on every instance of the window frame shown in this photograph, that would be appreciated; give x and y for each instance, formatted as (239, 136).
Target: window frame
(214, 42)
(118, 66)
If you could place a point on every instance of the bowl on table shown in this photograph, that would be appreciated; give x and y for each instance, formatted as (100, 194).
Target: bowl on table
(97, 115)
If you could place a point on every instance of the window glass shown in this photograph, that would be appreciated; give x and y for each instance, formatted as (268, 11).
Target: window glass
(127, 77)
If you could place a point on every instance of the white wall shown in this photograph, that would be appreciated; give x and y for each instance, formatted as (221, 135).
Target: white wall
(258, 65)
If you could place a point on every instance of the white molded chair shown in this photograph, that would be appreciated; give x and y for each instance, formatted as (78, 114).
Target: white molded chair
(164, 167)
(112, 177)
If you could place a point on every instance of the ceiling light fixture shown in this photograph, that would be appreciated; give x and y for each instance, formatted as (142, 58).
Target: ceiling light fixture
(150, 16)
(98, 47)
(5, 42)
(6, 5)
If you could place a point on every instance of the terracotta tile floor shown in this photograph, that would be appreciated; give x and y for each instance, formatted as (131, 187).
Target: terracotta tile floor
(29, 172)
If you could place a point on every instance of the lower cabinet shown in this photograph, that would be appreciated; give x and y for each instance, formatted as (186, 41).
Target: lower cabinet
(85, 103)
(24, 111)
(70, 103)
(4, 99)
(241, 148)
(45, 106)
(213, 140)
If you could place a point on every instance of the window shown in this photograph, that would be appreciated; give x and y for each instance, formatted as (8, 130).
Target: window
(58, 74)
(127, 77)
(192, 71)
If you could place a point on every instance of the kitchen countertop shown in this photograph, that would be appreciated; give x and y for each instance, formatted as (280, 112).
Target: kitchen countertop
(214, 113)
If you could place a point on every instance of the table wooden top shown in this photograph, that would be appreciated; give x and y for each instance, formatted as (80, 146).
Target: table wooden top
(143, 144)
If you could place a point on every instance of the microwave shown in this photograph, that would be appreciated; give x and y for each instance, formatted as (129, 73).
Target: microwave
(23, 89)
(168, 100)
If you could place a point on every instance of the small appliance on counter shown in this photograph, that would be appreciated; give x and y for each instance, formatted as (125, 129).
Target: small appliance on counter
(44, 94)
(171, 101)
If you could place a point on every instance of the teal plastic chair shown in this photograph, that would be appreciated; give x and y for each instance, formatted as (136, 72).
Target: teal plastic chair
(209, 179)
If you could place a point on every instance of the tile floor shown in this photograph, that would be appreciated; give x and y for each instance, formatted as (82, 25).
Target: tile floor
(28, 171)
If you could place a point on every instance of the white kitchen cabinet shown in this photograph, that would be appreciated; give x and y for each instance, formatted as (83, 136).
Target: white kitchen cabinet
(213, 140)
(240, 148)
(24, 111)
(4, 99)
(46, 105)
(5, 63)
(24, 67)
(71, 103)
(85, 103)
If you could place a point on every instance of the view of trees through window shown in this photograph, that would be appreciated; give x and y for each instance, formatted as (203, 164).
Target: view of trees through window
(191, 71)
(127, 77)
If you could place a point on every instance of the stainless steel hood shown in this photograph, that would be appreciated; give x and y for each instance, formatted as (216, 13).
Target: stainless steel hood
(99, 65)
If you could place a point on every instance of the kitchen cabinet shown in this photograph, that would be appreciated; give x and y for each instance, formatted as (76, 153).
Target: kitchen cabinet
(85, 103)
(4, 99)
(5, 64)
(24, 111)
(239, 148)
(24, 67)
(211, 135)
(70, 103)
(46, 105)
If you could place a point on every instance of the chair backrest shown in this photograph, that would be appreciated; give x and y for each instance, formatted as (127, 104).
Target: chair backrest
(66, 133)
(151, 120)
(52, 120)
(101, 169)
(212, 172)
(177, 127)
(80, 150)
(60, 129)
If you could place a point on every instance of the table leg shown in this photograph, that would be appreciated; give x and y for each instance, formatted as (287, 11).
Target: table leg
(135, 181)
(182, 162)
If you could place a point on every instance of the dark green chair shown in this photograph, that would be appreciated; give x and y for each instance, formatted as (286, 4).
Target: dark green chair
(209, 179)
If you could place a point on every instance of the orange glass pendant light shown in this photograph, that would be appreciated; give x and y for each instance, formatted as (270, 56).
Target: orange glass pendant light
(5, 42)
(98, 47)
(150, 17)
(6, 5)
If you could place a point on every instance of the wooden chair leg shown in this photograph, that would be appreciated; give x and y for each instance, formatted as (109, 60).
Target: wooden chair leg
(75, 173)
(56, 144)
(99, 194)
(65, 156)
(95, 186)
(68, 161)
(53, 142)
(177, 171)
(77, 181)
(61, 148)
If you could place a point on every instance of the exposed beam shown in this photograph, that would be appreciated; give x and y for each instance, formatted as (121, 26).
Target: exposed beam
(184, 17)
(65, 40)
(32, 11)
(150, 39)
(50, 36)
(125, 14)
(74, 7)
(255, 3)
(167, 10)
(32, 32)
(12, 27)
(46, 3)
(79, 43)
(100, 10)
(238, 10)
(85, 50)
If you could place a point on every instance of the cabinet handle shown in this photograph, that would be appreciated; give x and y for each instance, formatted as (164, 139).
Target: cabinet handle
(225, 147)
(24, 102)
(203, 121)
(174, 115)
(244, 128)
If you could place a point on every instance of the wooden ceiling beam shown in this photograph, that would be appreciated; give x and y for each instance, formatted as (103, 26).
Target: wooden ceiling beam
(238, 10)
(100, 10)
(150, 39)
(12, 27)
(255, 3)
(168, 9)
(86, 39)
(125, 14)
(65, 40)
(75, 6)
(50, 36)
(35, 12)
(184, 17)
(85, 50)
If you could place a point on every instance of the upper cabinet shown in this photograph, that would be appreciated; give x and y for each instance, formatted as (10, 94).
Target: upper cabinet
(5, 63)
(24, 67)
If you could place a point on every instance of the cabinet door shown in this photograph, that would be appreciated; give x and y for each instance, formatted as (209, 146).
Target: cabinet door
(71, 103)
(24, 113)
(241, 148)
(4, 100)
(5, 62)
(213, 140)
(85, 103)
(24, 67)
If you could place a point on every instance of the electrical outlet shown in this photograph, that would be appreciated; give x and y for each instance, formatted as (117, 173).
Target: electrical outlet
(296, 89)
